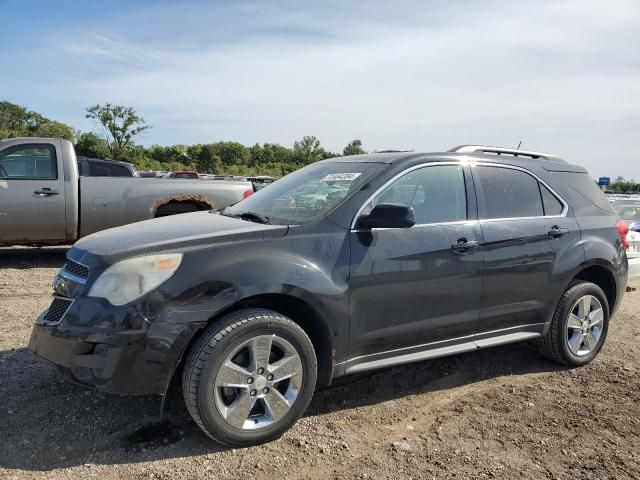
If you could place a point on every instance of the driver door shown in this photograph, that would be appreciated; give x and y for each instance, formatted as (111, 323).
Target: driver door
(411, 290)
(32, 201)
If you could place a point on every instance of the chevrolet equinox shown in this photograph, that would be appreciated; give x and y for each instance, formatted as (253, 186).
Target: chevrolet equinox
(347, 265)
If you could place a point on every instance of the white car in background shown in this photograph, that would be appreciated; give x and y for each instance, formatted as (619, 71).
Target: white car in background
(628, 208)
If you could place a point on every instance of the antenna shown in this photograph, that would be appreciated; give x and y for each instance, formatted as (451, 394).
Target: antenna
(518, 147)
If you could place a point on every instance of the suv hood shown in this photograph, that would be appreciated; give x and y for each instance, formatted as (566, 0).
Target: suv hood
(175, 232)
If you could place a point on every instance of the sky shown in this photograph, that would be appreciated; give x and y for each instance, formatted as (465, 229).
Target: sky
(562, 76)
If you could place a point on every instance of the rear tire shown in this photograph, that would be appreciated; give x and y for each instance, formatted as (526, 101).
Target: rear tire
(579, 325)
(249, 377)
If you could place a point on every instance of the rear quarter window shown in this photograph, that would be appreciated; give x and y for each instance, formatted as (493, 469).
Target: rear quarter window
(586, 187)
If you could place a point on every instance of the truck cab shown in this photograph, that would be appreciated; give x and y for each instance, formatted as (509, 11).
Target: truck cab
(36, 177)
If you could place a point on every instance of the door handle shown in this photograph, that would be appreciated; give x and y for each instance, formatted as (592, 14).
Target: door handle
(556, 231)
(463, 245)
(45, 192)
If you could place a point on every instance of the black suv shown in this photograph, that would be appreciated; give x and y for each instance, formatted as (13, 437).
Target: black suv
(347, 265)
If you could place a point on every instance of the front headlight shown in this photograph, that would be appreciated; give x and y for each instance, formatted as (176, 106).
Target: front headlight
(129, 279)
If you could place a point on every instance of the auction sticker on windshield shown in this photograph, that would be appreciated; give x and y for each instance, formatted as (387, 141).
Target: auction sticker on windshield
(334, 177)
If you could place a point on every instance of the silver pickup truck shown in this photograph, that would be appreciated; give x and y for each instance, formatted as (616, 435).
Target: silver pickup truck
(44, 200)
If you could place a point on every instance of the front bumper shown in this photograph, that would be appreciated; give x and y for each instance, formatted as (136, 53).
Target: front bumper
(113, 357)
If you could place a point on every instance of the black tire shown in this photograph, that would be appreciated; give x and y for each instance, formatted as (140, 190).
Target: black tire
(555, 344)
(209, 353)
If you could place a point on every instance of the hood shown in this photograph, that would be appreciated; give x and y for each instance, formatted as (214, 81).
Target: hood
(170, 233)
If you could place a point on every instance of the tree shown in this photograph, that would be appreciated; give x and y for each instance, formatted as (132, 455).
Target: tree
(308, 150)
(353, 148)
(17, 121)
(118, 126)
(620, 185)
(90, 145)
(231, 153)
(208, 161)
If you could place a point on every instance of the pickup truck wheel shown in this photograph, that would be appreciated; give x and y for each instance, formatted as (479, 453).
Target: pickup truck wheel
(578, 327)
(249, 377)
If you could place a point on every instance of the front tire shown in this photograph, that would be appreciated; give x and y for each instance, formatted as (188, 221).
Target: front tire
(249, 377)
(579, 325)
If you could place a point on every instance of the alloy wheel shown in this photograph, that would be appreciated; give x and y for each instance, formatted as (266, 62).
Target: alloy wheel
(258, 382)
(585, 325)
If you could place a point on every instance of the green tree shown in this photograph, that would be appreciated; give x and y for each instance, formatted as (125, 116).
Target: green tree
(231, 153)
(308, 150)
(17, 121)
(208, 161)
(90, 145)
(353, 148)
(118, 125)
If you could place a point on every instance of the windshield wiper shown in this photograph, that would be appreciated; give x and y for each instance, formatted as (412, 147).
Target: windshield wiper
(251, 217)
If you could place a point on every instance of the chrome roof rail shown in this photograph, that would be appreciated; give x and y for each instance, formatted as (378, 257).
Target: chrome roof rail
(504, 151)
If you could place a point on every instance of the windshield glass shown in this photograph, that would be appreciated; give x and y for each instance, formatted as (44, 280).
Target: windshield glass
(306, 194)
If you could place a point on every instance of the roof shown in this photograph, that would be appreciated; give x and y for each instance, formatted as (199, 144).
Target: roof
(522, 158)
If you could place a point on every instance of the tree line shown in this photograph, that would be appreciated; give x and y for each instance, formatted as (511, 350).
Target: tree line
(117, 128)
(620, 185)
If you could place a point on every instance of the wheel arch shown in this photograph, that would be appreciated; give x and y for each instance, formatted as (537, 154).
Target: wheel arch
(174, 204)
(602, 276)
(299, 311)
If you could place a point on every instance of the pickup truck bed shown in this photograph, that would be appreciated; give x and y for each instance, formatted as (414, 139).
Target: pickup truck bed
(44, 201)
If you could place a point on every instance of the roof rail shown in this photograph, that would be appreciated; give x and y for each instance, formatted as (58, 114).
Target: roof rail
(504, 151)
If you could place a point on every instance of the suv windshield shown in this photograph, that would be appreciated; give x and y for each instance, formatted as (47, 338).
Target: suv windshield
(305, 195)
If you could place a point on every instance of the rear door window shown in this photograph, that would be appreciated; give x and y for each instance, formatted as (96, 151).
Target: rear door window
(508, 193)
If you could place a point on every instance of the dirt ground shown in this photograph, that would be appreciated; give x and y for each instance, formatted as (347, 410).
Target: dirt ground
(504, 412)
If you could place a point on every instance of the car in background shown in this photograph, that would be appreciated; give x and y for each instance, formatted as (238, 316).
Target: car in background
(629, 211)
(49, 197)
(96, 167)
(190, 175)
(148, 174)
(261, 181)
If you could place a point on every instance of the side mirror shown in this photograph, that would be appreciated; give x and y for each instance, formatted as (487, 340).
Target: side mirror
(388, 215)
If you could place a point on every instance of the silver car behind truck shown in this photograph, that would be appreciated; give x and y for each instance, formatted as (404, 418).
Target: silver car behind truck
(44, 200)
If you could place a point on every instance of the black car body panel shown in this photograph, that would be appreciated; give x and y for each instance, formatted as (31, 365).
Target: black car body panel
(371, 298)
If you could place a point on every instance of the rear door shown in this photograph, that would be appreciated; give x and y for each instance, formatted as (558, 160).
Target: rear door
(32, 201)
(526, 230)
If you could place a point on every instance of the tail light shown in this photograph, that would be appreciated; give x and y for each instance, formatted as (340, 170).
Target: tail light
(248, 193)
(622, 229)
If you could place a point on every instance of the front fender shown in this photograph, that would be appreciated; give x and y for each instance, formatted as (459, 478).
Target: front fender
(210, 282)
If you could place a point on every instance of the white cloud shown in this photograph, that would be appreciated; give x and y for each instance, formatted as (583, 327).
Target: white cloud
(561, 75)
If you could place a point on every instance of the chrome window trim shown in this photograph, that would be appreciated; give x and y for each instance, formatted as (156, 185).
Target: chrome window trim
(471, 163)
(396, 177)
(565, 205)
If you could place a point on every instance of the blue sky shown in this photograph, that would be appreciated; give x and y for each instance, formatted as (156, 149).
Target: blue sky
(561, 75)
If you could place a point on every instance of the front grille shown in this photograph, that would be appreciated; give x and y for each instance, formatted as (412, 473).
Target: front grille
(74, 268)
(58, 308)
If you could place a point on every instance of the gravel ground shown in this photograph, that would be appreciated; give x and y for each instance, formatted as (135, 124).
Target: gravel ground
(504, 412)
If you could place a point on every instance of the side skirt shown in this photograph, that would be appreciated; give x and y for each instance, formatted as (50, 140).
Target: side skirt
(441, 349)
